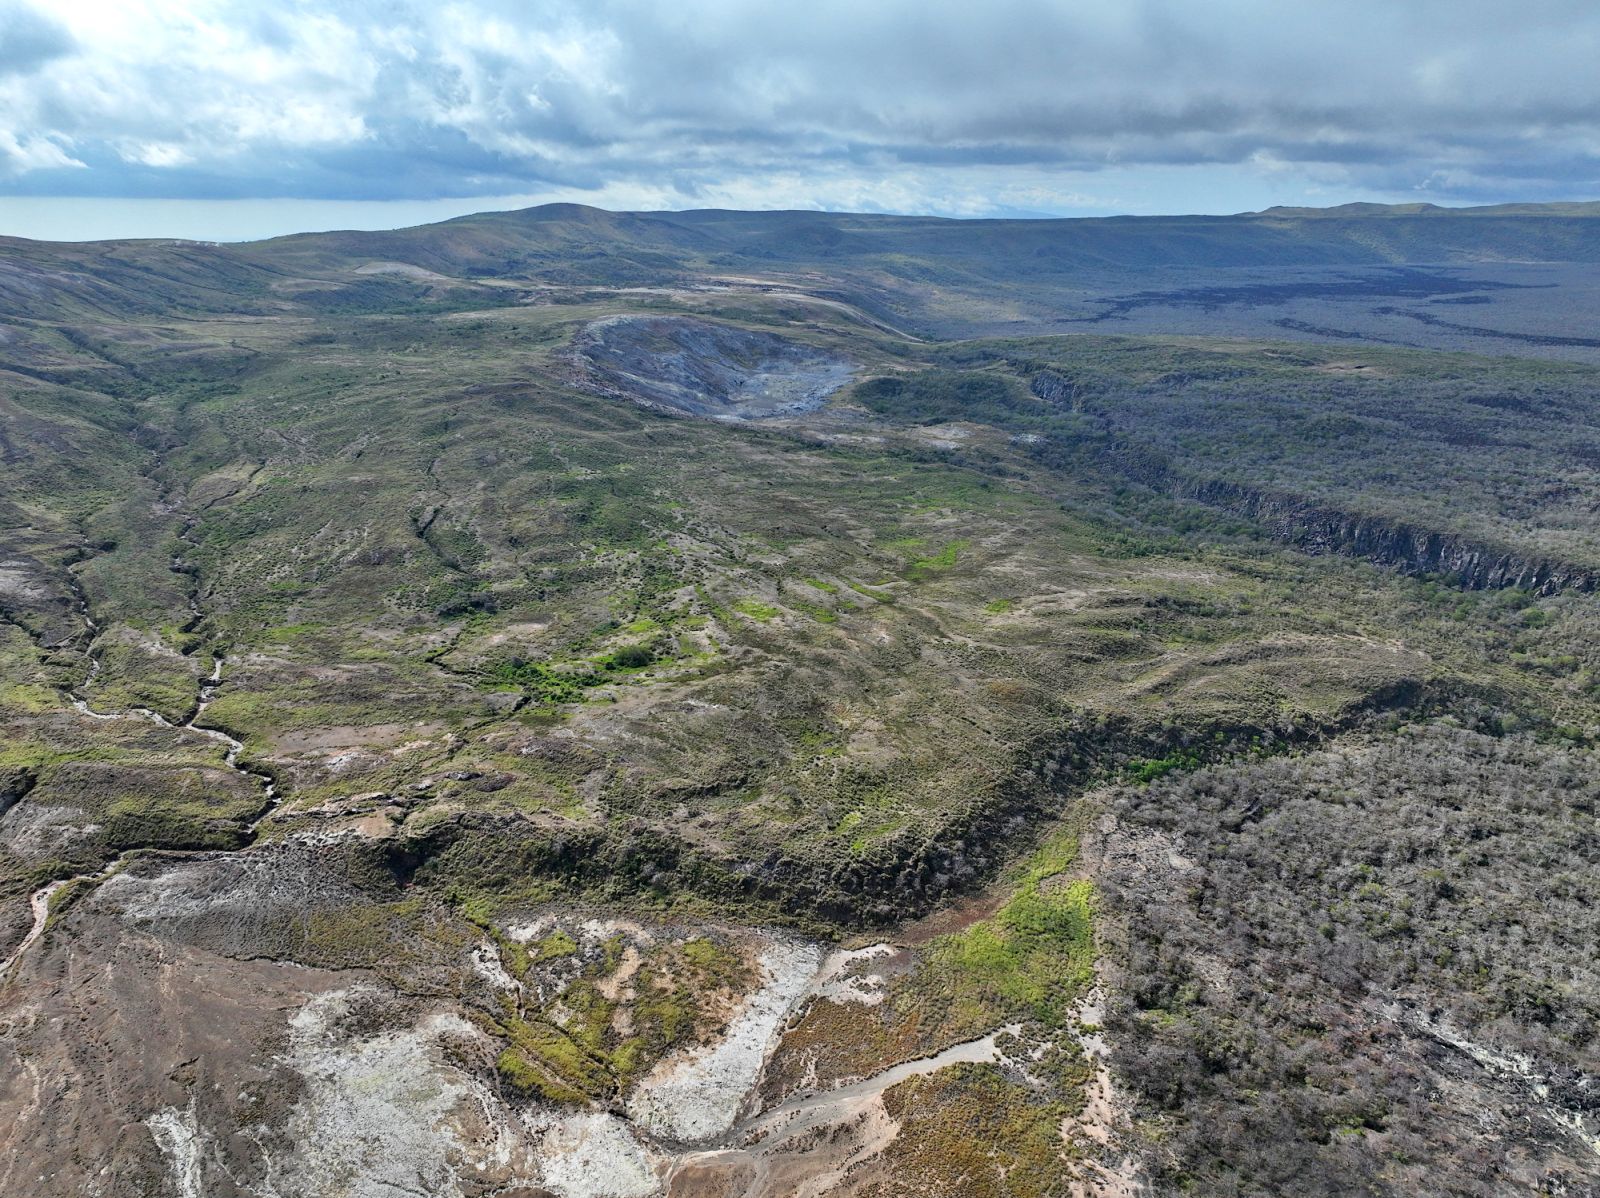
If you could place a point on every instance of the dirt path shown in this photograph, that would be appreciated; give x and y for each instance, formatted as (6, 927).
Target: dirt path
(779, 1152)
(798, 1115)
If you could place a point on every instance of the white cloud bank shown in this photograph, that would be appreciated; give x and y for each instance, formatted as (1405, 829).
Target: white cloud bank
(905, 105)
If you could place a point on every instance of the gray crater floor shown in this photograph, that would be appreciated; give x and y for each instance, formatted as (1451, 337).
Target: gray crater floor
(706, 369)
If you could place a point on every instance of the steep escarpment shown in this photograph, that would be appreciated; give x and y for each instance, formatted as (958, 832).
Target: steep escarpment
(952, 854)
(15, 783)
(1322, 528)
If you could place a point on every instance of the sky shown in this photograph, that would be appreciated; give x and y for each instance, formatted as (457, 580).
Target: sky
(229, 119)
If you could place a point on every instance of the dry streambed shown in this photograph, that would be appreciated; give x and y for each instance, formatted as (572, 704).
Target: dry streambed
(687, 1127)
(274, 1080)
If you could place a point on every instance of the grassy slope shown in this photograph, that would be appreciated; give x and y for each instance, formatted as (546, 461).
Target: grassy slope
(382, 516)
(558, 644)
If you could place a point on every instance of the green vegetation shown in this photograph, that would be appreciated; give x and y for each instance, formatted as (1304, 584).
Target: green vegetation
(611, 1009)
(557, 944)
(1033, 957)
(541, 682)
(936, 396)
(503, 638)
(970, 1126)
(921, 567)
(756, 609)
(1160, 767)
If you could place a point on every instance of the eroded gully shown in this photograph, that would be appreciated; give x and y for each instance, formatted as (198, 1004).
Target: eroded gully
(39, 901)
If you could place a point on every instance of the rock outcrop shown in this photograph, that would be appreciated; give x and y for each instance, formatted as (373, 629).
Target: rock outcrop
(1323, 528)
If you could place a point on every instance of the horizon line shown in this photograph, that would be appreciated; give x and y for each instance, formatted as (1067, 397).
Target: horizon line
(1353, 208)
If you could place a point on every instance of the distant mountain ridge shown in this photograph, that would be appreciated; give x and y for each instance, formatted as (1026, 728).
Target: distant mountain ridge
(931, 275)
(1556, 208)
(569, 238)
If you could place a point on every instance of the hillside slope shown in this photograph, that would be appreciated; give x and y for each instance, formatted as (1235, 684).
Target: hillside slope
(580, 703)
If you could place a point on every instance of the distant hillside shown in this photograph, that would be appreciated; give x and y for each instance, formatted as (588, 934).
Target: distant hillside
(1011, 250)
(929, 275)
(1275, 238)
(1568, 208)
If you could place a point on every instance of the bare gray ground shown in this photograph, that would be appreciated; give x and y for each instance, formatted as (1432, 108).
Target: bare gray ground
(702, 368)
(144, 1051)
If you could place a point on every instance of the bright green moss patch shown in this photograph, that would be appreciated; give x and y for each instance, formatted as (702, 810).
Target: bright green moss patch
(543, 1060)
(542, 684)
(1034, 956)
(715, 963)
(556, 944)
(576, 1043)
(938, 562)
(755, 609)
(1158, 767)
(529, 1080)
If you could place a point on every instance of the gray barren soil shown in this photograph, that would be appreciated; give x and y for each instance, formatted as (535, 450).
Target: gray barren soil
(708, 369)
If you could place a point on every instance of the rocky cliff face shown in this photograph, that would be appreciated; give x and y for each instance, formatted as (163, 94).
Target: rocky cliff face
(904, 878)
(15, 782)
(1322, 528)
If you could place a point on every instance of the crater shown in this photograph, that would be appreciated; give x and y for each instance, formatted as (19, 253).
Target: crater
(707, 369)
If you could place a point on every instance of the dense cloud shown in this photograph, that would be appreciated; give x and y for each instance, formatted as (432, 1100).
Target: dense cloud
(892, 103)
